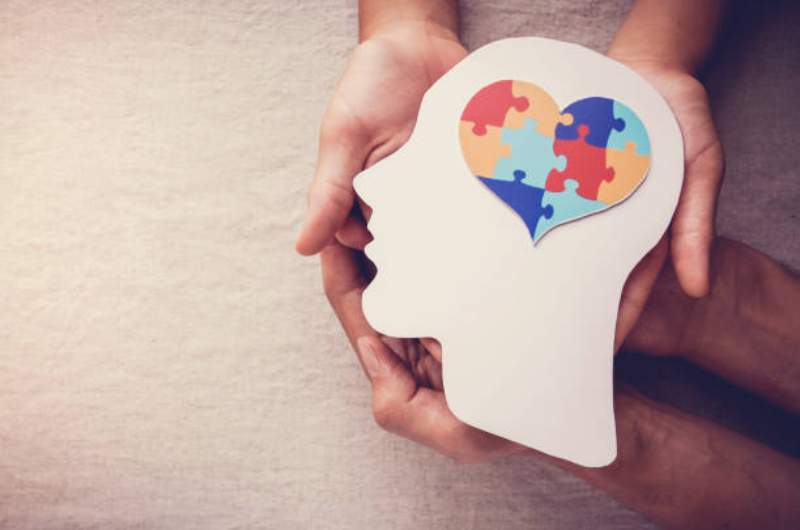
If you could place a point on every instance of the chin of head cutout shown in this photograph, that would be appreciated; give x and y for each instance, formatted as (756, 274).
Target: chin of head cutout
(538, 174)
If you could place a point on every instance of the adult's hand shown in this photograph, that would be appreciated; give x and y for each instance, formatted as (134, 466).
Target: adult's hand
(406, 375)
(678, 470)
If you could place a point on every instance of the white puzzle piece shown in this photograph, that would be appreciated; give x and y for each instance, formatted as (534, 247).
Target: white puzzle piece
(539, 173)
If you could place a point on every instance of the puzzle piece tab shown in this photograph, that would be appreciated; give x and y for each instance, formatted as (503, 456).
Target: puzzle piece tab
(629, 168)
(595, 113)
(482, 152)
(541, 107)
(634, 131)
(490, 105)
(567, 206)
(531, 152)
(585, 163)
(523, 199)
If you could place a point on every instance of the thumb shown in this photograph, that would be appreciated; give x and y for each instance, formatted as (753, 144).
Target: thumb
(342, 153)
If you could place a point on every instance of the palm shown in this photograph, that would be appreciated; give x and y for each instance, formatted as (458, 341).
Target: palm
(692, 228)
(371, 115)
(422, 358)
(688, 100)
(377, 101)
(703, 167)
(379, 95)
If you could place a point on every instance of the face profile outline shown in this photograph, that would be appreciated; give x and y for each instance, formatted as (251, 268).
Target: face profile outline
(527, 331)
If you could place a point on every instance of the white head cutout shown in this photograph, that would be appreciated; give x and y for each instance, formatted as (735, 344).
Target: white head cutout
(527, 330)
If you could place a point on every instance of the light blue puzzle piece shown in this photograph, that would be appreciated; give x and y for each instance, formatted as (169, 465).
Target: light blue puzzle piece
(531, 152)
(634, 131)
(567, 206)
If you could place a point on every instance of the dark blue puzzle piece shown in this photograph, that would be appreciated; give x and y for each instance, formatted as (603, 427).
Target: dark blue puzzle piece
(597, 114)
(524, 199)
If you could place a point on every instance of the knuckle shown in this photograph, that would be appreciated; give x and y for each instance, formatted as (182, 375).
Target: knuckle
(330, 191)
(336, 125)
(334, 291)
(331, 130)
(339, 193)
(384, 413)
(328, 284)
(330, 293)
(708, 164)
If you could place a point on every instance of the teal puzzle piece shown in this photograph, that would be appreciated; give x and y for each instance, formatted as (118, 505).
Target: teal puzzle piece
(633, 131)
(567, 206)
(531, 152)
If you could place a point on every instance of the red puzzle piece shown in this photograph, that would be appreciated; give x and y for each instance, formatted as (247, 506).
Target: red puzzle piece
(490, 104)
(585, 163)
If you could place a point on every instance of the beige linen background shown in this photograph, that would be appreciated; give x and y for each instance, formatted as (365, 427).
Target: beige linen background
(166, 360)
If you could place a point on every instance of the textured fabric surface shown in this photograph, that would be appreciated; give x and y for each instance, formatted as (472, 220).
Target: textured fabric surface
(166, 360)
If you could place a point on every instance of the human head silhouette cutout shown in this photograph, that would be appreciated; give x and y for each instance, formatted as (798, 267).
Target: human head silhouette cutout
(527, 331)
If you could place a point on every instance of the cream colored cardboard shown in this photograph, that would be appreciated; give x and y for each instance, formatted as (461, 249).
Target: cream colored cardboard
(527, 330)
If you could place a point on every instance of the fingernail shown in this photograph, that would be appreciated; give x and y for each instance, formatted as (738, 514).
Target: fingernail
(370, 357)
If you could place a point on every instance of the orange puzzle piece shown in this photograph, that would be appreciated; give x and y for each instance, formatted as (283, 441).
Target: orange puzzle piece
(629, 168)
(541, 107)
(482, 151)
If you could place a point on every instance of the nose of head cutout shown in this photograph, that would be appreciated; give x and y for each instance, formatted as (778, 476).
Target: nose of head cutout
(552, 166)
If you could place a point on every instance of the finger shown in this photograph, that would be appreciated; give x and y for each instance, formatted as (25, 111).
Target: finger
(433, 346)
(421, 414)
(400, 406)
(637, 290)
(364, 208)
(342, 153)
(432, 369)
(692, 232)
(353, 233)
(344, 282)
(425, 368)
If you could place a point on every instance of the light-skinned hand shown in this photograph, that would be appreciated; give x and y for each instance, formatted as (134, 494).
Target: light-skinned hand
(371, 114)
(692, 230)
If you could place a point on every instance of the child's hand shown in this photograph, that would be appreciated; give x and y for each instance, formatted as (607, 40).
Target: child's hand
(666, 43)
(371, 115)
(692, 230)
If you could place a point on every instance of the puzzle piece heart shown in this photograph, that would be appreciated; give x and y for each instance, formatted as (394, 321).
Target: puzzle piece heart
(552, 166)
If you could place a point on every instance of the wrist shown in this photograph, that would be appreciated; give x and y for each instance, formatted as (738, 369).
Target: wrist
(677, 35)
(434, 18)
(645, 61)
(651, 443)
(426, 27)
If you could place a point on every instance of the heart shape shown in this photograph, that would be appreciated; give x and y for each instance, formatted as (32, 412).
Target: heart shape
(551, 166)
